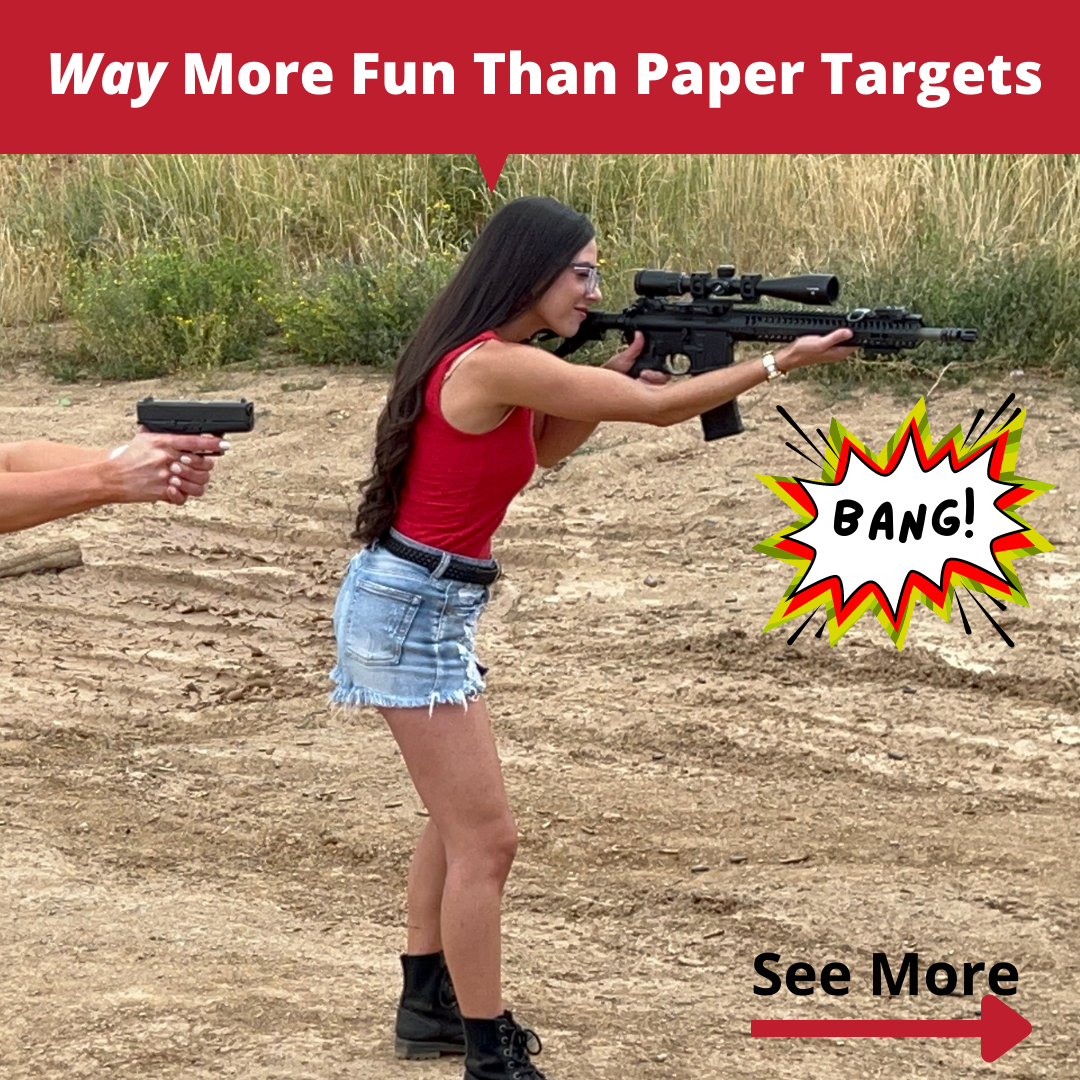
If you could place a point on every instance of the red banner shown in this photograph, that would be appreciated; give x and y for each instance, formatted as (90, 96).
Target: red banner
(579, 78)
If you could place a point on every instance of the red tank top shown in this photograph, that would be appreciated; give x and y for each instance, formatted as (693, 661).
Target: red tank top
(458, 486)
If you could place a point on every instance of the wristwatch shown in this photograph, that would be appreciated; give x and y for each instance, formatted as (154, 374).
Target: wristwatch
(772, 372)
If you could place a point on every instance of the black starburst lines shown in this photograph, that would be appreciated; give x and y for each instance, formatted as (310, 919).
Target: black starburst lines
(963, 614)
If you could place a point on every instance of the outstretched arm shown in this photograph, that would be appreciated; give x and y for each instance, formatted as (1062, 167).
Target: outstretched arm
(41, 481)
(510, 374)
(41, 455)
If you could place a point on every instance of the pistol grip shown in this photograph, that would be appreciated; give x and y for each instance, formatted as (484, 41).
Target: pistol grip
(647, 361)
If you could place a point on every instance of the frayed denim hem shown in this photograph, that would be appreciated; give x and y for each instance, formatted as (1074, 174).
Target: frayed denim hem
(359, 696)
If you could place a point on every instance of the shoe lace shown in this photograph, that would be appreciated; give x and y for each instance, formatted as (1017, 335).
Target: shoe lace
(519, 1045)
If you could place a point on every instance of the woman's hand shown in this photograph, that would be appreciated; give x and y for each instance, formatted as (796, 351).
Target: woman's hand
(171, 468)
(815, 349)
(624, 359)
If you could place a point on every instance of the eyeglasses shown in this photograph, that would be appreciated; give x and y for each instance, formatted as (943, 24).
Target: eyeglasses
(589, 274)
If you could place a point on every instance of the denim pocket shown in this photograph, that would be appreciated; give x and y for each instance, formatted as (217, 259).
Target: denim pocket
(379, 621)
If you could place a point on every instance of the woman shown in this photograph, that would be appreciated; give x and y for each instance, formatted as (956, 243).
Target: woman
(473, 409)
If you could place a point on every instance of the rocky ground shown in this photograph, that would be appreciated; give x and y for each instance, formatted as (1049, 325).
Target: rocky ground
(202, 866)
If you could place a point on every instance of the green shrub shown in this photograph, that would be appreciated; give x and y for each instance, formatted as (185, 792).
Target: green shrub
(345, 313)
(990, 241)
(169, 309)
(1024, 304)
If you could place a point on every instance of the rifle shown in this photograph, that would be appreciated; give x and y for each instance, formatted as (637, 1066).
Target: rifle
(689, 337)
(195, 417)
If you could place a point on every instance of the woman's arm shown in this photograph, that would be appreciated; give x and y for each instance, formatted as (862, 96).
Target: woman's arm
(557, 438)
(41, 481)
(40, 455)
(31, 498)
(507, 374)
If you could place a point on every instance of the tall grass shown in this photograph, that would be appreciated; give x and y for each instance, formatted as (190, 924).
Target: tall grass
(990, 241)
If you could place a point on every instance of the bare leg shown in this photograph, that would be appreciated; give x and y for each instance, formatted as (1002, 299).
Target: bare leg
(427, 875)
(453, 762)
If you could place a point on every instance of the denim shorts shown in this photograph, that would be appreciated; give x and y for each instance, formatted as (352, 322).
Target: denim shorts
(405, 637)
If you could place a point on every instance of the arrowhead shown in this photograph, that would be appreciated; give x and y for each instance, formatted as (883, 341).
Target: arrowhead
(1002, 1028)
(491, 164)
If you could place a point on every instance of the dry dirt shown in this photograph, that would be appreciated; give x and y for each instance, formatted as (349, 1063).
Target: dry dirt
(202, 866)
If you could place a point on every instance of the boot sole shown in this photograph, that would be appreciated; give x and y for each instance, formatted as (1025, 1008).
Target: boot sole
(410, 1050)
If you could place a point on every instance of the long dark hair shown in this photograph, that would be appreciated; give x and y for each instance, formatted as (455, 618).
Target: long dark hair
(522, 249)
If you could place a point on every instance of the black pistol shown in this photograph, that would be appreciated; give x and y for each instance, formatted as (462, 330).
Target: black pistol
(195, 417)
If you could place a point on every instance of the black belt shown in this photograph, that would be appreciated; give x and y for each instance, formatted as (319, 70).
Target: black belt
(458, 569)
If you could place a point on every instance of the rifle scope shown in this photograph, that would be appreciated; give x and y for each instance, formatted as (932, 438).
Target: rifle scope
(804, 289)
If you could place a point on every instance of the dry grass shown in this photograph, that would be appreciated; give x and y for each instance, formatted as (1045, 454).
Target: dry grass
(891, 222)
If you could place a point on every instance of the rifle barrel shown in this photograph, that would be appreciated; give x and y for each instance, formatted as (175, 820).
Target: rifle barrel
(946, 333)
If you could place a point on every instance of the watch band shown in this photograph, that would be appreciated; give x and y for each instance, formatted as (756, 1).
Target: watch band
(772, 372)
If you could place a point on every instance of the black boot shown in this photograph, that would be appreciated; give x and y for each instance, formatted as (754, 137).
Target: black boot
(428, 1020)
(500, 1049)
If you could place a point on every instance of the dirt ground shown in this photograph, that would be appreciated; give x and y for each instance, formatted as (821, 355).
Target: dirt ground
(202, 866)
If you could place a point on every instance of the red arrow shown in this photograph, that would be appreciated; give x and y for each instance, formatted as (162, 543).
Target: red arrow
(999, 1027)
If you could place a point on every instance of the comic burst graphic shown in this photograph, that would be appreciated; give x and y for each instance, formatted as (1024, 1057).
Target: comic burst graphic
(910, 524)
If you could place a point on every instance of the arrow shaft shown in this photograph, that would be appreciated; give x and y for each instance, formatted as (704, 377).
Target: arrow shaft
(866, 1029)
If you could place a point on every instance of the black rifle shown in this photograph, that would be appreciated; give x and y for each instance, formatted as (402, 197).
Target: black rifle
(688, 337)
(195, 417)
